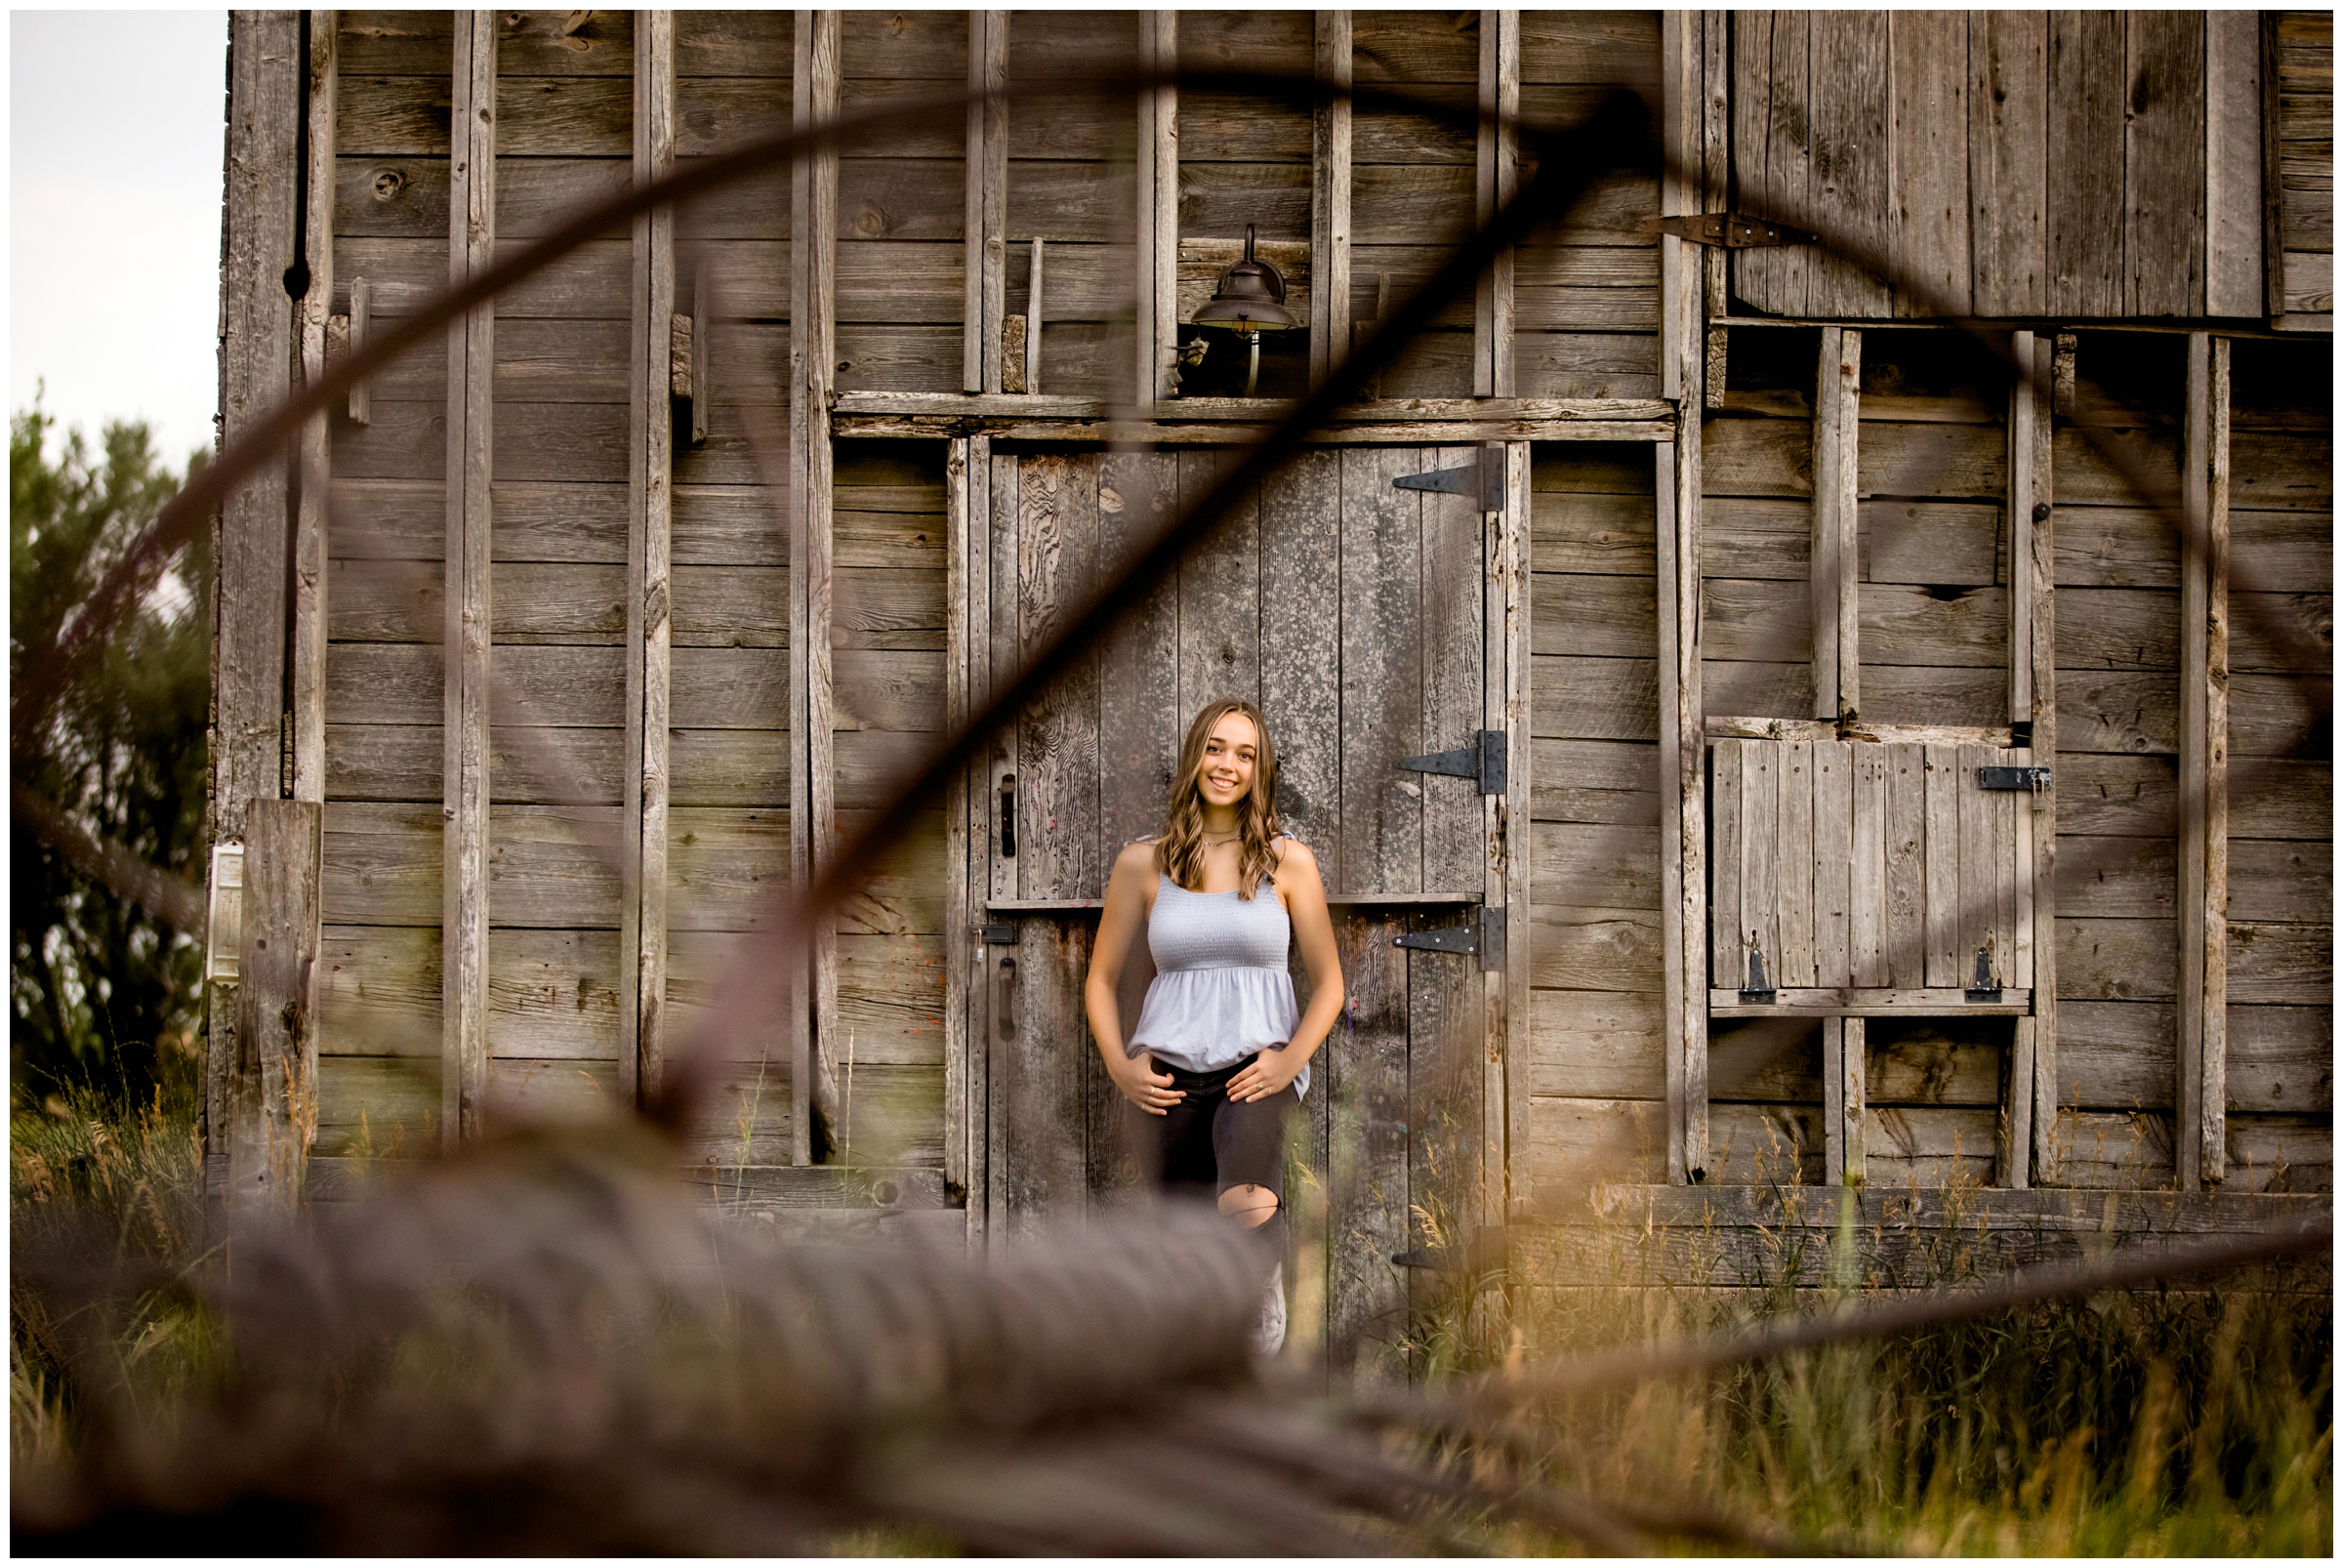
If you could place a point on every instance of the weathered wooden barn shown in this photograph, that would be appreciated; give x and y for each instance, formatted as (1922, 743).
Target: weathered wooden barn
(1856, 777)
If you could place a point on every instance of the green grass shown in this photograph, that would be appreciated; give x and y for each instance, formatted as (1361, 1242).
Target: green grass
(2138, 1422)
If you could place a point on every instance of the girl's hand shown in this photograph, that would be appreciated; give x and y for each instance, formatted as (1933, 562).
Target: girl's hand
(1272, 1072)
(1148, 1091)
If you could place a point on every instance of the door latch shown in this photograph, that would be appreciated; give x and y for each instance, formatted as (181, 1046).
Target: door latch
(2031, 779)
(1484, 760)
(1730, 231)
(1483, 479)
(1484, 938)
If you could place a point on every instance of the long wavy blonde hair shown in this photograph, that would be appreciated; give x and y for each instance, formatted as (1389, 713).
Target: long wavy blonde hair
(1179, 852)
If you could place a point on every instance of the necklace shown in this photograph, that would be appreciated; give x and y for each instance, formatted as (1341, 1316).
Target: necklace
(1231, 839)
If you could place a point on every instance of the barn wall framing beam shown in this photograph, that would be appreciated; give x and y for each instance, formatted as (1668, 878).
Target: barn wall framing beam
(471, 462)
(650, 455)
(1158, 184)
(2199, 1140)
(1498, 176)
(1684, 311)
(315, 442)
(1330, 195)
(813, 357)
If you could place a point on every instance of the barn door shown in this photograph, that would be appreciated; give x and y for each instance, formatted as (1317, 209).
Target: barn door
(1351, 609)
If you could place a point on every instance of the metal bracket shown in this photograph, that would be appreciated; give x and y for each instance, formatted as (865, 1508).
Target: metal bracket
(1485, 478)
(1760, 990)
(1732, 231)
(2034, 780)
(997, 932)
(1983, 987)
(1484, 760)
(1485, 939)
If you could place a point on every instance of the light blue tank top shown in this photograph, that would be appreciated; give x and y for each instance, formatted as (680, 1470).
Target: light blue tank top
(1222, 990)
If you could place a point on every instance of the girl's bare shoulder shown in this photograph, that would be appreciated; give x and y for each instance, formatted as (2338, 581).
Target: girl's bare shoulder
(1293, 856)
(1139, 855)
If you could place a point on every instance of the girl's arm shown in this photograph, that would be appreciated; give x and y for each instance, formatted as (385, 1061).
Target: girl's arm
(1304, 893)
(1119, 925)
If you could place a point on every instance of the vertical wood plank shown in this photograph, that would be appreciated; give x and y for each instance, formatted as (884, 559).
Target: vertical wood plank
(1906, 783)
(471, 428)
(1728, 928)
(976, 871)
(973, 167)
(2008, 161)
(1854, 1096)
(650, 441)
(1796, 874)
(1367, 1162)
(958, 1099)
(812, 824)
(1453, 691)
(1682, 335)
(2041, 611)
(1978, 898)
(2194, 471)
(1495, 175)
(1219, 593)
(1686, 961)
(1832, 859)
(1834, 1102)
(2017, 1109)
(1383, 672)
(1941, 853)
(1301, 646)
(1004, 551)
(1140, 723)
(1508, 1108)
(1928, 133)
(1822, 539)
(1717, 191)
(2164, 163)
(2233, 164)
(1057, 782)
(992, 203)
(1773, 65)
(273, 1113)
(258, 348)
(2087, 92)
(1159, 208)
(1760, 891)
(1045, 1155)
(2004, 809)
(1849, 186)
(2021, 524)
(2213, 1095)
(1868, 963)
(1330, 194)
(307, 677)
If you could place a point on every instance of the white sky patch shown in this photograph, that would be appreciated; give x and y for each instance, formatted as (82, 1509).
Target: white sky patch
(115, 121)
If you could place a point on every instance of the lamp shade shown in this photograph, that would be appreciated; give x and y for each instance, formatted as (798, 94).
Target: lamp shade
(1250, 297)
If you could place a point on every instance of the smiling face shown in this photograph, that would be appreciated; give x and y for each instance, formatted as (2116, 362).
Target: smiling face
(1230, 753)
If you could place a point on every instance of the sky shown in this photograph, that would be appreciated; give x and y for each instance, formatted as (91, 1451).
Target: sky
(114, 179)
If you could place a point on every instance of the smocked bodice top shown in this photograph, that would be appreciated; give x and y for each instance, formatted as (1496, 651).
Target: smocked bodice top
(1220, 991)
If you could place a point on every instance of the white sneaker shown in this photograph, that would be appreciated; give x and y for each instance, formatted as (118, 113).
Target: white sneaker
(1269, 1329)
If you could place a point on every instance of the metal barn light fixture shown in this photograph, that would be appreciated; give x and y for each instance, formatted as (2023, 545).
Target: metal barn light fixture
(1250, 300)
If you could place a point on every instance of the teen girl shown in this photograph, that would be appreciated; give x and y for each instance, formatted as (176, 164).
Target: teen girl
(1220, 1053)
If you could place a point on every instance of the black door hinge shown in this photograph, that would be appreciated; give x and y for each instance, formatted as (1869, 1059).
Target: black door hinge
(2034, 780)
(1484, 760)
(1484, 938)
(1483, 479)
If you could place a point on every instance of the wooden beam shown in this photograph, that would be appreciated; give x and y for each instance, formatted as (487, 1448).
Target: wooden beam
(1467, 416)
(651, 465)
(307, 673)
(1835, 556)
(1717, 146)
(2042, 611)
(257, 350)
(2029, 419)
(1158, 208)
(2273, 252)
(2233, 163)
(274, 1108)
(1684, 832)
(959, 1080)
(973, 351)
(988, 195)
(812, 824)
(2194, 467)
(1498, 175)
(2212, 1122)
(1507, 662)
(470, 435)
(1330, 197)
